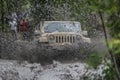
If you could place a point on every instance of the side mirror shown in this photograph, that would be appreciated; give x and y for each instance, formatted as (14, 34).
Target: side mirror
(37, 32)
(84, 33)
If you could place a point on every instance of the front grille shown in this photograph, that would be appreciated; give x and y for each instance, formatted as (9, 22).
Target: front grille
(65, 39)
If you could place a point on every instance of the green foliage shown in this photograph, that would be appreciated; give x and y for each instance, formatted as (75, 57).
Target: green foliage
(114, 25)
(114, 44)
(103, 5)
(109, 72)
(94, 60)
(110, 11)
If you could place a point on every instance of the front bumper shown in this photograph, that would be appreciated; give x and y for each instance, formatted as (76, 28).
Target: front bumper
(70, 47)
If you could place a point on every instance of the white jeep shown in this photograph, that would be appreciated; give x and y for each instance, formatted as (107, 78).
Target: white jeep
(61, 35)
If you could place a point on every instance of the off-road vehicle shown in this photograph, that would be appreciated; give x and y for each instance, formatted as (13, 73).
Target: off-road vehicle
(61, 35)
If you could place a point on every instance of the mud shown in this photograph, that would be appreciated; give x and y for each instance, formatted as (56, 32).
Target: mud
(32, 51)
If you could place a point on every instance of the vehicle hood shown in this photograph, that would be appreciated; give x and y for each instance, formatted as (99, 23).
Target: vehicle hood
(61, 33)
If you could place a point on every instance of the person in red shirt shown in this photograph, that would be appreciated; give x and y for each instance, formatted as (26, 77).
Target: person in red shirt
(23, 28)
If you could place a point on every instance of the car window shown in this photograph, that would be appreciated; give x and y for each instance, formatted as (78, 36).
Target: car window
(61, 27)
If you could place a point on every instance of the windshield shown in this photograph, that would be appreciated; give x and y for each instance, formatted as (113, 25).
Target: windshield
(62, 27)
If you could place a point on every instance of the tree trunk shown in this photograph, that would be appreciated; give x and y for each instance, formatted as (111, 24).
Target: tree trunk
(2, 14)
(113, 59)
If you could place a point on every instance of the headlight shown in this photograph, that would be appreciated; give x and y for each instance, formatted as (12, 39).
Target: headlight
(78, 37)
(51, 37)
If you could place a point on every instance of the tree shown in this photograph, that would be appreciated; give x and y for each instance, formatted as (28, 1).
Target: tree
(109, 11)
(2, 14)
